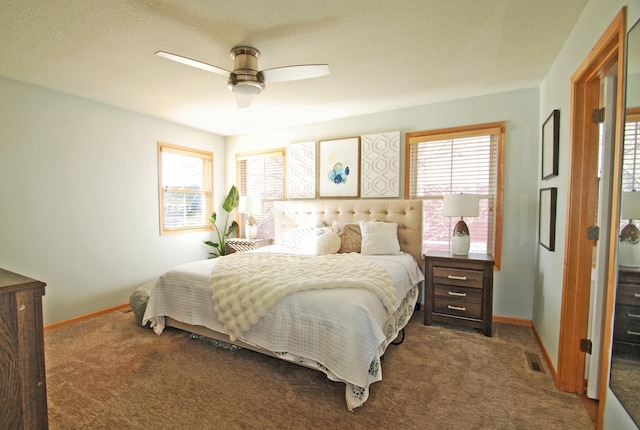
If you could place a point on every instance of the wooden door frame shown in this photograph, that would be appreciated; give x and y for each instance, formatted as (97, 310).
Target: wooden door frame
(607, 53)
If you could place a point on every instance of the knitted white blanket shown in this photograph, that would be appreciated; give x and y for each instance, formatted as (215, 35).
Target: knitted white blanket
(246, 285)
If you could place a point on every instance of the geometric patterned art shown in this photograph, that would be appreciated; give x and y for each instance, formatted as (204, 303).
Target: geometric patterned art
(301, 170)
(380, 165)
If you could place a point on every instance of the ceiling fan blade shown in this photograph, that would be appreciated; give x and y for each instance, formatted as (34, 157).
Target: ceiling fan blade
(193, 63)
(243, 100)
(294, 73)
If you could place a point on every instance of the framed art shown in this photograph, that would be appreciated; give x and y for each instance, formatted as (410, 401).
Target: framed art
(550, 145)
(339, 167)
(547, 221)
(301, 170)
(380, 165)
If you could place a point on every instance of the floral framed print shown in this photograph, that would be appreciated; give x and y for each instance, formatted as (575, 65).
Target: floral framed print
(339, 167)
(550, 145)
(547, 221)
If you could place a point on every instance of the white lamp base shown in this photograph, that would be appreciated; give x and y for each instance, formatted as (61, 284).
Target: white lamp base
(460, 245)
(461, 241)
(252, 231)
(629, 252)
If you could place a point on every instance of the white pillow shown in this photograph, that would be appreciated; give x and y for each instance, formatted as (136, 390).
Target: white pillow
(298, 239)
(328, 243)
(379, 238)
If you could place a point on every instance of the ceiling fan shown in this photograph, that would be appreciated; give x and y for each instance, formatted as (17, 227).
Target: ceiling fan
(246, 80)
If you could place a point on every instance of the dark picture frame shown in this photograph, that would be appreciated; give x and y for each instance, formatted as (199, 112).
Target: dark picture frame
(550, 145)
(547, 218)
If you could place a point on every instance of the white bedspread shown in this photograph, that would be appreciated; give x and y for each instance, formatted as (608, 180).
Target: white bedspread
(246, 285)
(341, 329)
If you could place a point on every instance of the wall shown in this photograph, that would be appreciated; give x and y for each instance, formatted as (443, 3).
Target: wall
(555, 93)
(79, 209)
(513, 286)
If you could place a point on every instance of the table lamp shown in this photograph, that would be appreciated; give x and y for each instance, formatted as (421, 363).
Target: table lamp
(461, 205)
(250, 206)
(630, 235)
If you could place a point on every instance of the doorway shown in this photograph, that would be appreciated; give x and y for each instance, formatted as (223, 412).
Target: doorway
(606, 56)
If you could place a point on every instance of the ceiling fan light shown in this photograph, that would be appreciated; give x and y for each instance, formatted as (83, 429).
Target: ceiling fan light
(245, 84)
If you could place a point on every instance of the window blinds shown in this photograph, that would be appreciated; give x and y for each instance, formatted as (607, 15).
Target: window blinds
(449, 162)
(186, 188)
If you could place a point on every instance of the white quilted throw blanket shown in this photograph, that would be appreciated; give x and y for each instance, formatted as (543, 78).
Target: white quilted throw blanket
(246, 285)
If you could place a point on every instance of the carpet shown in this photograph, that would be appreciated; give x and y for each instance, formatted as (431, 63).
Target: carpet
(109, 373)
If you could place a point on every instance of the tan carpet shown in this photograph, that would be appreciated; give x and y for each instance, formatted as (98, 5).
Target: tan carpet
(109, 373)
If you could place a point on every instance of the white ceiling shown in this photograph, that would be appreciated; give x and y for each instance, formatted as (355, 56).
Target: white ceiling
(382, 54)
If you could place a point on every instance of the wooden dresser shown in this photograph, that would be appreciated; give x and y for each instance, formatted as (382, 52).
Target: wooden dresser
(459, 289)
(626, 328)
(23, 393)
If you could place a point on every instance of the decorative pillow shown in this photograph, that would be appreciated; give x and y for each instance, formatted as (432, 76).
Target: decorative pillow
(327, 243)
(349, 233)
(379, 238)
(298, 239)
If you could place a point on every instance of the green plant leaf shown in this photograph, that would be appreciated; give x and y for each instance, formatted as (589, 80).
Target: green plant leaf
(233, 227)
(215, 245)
(231, 202)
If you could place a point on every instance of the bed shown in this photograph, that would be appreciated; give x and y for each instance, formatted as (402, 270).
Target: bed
(323, 320)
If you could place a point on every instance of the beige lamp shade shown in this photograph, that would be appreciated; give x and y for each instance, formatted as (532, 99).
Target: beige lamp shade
(630, 207)
(461, 205)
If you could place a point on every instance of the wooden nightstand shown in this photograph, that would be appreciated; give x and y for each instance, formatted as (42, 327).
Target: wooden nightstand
(459, 289)
(626, 327)
(243, 244)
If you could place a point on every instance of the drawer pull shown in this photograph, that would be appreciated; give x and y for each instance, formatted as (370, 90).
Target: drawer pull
(633, 333)
(457, 278)
(453, 293)
(461, 308)
(630, 315)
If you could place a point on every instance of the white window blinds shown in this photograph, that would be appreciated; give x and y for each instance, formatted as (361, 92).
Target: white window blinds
(464, 160)
(631, 157)
(186, 188)
(261, 175)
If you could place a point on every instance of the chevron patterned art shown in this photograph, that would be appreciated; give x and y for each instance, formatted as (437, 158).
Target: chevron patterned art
(380, 159)
(301, 170)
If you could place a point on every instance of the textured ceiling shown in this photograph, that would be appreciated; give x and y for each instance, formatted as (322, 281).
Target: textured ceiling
(382, 54)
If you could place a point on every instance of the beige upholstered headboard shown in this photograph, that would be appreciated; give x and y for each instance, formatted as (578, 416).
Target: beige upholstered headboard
(406, 213)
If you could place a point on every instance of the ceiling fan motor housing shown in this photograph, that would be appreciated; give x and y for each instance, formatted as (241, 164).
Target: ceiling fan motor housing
(246, 78)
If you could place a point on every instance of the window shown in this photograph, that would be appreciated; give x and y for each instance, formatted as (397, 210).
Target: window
(261, 175)
(185, 188)
(631, 148)
(458, 160)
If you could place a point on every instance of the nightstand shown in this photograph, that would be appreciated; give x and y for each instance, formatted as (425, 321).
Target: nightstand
(242, 244)
(626, 327)
(459, 289)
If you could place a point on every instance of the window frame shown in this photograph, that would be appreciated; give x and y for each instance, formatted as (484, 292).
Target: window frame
(267, 153)
(494, 128)
(208, 194)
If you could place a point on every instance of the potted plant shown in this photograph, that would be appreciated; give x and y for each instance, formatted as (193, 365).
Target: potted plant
(230, 203)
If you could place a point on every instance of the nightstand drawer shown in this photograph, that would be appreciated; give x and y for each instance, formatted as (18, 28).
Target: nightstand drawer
(460, 277)
(464, 302)
(628, 294)
(627, 324)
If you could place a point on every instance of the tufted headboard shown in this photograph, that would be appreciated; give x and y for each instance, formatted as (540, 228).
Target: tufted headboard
(406, 213)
